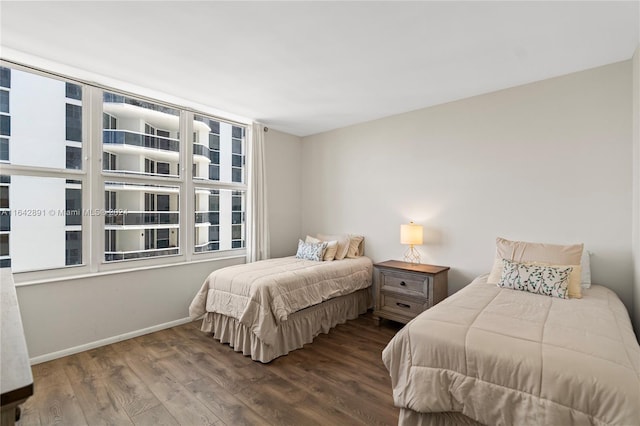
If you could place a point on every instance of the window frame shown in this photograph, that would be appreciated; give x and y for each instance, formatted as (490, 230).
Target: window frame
(209, 184)
(93, 178)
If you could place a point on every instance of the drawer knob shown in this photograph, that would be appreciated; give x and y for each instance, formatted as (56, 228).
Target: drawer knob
(403, 305)
(402, 283)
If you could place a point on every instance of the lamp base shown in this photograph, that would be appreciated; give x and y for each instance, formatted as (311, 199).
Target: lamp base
(412, 255)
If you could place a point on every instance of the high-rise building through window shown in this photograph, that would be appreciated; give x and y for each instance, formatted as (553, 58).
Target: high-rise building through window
(50, 215)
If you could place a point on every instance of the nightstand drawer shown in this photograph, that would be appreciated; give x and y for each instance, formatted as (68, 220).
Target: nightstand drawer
(407, 282)
(402, 305)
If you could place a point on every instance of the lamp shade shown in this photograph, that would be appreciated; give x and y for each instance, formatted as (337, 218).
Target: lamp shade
(411, 234)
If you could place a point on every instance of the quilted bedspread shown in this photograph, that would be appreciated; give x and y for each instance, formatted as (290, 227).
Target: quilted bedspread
(262, 294)
(507, 357)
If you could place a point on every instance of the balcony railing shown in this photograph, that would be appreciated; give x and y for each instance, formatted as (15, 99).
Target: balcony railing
(212, 154)
(110, 256)
(132, 218)
(210, 246)
(199, 149)
(127, 137)
(119, 99)
(208, 217)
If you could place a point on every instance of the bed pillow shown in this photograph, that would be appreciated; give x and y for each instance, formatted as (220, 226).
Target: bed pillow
(534, 278)
(574, 288)
(342, 246)
(330, 252)
(311, 251)
(521, 251)
(355, 241)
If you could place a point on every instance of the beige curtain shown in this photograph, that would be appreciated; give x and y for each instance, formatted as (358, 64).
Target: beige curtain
(258, 224)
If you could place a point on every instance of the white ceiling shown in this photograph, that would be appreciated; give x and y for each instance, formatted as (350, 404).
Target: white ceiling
(309, 67)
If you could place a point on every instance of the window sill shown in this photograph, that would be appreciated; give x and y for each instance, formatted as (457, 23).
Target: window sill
(122, 271)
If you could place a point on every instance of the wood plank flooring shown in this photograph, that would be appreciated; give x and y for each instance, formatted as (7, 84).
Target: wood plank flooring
(182, 376)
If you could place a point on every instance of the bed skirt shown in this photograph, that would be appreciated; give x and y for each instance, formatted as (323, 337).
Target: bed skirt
(299, 329)
(409, 417)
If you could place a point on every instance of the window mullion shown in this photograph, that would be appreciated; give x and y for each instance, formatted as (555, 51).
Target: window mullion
(95, 190)
(187, 200)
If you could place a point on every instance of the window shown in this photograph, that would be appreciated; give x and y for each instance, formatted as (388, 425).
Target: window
(73, 91)
(5, 118)
(138, 220)
(42, 123)
(5, 125)
(219, 211)
(74, 123)
(5, 77)
(219, 219)
(5, 259)
(44, 229)
(143, 203)
(237, 219)
(109, 121)
(4, 101)
(4, 196)
(73, 204)
(45, 210)
(237, 157)
(73, 248)
(214, 172)
(152, 167)
(73, 158)
(145, 214)
(109, 242)
(4, 149)
(223, 159)
(149, 166)
(109, 161)
(162, 168)
(157, 239)
(5, 222)
(109, 200)
(121, 134)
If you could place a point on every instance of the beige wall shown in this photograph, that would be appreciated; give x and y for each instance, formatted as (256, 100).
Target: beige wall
(72, 315)
(283, 153)
(547, 161)
(636, 189)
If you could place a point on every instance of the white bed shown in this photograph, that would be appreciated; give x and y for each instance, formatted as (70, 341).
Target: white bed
(266, 309)
(498, 356)
(531, 343)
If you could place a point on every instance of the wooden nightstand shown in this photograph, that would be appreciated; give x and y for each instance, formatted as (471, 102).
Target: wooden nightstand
(403, 290)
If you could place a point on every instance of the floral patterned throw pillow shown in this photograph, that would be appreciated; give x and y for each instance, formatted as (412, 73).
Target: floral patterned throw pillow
(311, 251)
(540, 279)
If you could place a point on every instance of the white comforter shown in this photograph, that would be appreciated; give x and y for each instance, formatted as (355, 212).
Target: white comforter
(263, 294)
(506, 357)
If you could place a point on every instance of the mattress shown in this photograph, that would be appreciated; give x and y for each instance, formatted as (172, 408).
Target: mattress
(506, 357)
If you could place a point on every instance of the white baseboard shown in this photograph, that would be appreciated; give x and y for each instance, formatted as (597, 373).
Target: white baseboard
(107, 341)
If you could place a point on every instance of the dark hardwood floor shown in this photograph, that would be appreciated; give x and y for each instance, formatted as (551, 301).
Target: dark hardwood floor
(182, 376)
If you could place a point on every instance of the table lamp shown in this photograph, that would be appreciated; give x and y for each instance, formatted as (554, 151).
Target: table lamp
(411, 234)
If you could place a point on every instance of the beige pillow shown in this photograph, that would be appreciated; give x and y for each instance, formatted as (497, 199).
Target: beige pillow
(330, 252)
(521, 251)
(342, 244)
(354, 246)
